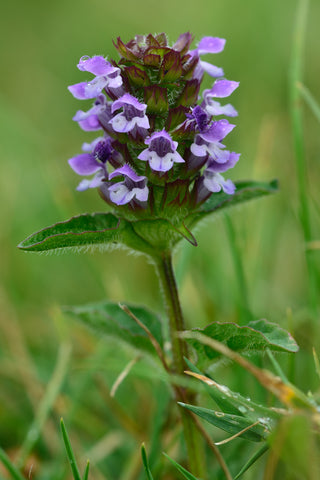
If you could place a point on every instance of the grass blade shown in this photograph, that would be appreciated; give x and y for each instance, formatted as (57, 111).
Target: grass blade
(245, 314)
(182, 470)
(310, 100)
(53, 389)
(252, 460)
(14, 472)
(71, 457)
(295, 79)
(145, 462)
(86, 472)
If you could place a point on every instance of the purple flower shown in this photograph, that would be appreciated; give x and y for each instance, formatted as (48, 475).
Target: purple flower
(200, 116)
(98, 115)
(208, 45)
(133, 186)
(218, 167)
(221, 88)
(209, 142)
(161, 153)
(214, 182)
(105, 76)
(93, 161)
(132, 116)
(211, 45)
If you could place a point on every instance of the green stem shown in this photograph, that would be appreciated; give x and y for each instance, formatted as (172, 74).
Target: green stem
(295, 79)
(179, 351)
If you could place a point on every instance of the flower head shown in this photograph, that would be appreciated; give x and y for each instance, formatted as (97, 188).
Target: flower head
(159, 136)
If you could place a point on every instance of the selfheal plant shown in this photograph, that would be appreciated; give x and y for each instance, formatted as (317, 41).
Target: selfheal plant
(160, 166)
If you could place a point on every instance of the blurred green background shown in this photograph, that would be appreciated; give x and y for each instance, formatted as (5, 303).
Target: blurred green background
(40, 46)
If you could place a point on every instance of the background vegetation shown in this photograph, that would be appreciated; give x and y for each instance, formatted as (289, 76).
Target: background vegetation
(41, 44)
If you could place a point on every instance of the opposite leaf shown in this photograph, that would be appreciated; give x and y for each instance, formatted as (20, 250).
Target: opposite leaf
(245, 191)
(257, 336)
(108, 319)
(97, 229)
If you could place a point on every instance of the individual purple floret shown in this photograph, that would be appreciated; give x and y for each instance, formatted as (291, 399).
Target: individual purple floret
(218, 167)
(94, 160)
(221, 88)
(200, 116)
(98, 115)
(161, 153)
(214, 182)
(133, 114)
(106, 76)
(133, 186)
(209, 142)
(208, 45)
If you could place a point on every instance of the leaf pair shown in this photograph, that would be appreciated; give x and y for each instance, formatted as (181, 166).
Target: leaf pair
(105, 230)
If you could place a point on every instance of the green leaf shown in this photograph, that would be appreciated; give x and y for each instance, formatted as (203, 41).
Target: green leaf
(86, 472)
(182, 470)
(232, 402)
(244, 191)
(145, 462)
(97, 229)
(252, 460)
(71, 457)
(12, 469)
(257, 336)
(108, 319)
(230, 423)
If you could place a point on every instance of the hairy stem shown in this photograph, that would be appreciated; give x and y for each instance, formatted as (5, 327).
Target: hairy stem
(179, 351)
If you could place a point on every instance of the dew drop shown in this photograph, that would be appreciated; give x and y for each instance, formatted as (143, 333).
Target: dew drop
(242, 409)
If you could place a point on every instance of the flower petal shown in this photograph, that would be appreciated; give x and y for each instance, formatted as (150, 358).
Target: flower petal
(84, 164)
(217, 131)
(222, 88)
(211, 45)
(212, 70)
(128, 172)
(96, 65)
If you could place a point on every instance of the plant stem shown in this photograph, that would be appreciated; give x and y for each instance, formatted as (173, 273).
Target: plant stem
(295, 79)
(168, 284)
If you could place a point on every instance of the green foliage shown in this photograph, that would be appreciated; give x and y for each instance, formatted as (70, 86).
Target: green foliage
(263, 449)
(245, 191)
(257, 336)
(70, 454)
(233, 402)
(10, 467)
(181, 469)
(233, 424)
(294, 448)
(102, 230)
(150, 236)
(86, 472)
(109, 320)
(145, 462)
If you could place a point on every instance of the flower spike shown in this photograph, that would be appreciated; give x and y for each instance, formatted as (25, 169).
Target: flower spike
(162, 141)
